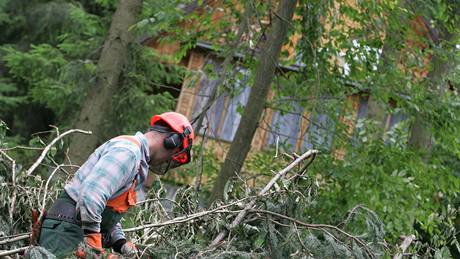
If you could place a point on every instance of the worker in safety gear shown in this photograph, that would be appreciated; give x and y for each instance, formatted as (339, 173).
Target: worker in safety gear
(109, 183)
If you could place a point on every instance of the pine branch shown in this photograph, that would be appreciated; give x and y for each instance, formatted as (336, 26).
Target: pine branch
(317, 227)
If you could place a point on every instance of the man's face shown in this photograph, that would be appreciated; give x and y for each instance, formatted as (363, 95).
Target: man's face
(162, 159)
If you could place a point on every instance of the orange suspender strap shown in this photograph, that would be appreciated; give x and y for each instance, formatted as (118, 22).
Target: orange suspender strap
(124, 201)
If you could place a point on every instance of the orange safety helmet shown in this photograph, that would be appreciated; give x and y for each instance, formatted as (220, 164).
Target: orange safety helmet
(182, 135)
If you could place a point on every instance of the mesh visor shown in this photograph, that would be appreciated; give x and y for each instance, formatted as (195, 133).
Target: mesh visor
(178, 159)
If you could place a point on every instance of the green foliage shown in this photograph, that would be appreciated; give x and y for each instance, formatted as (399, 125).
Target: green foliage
(51, 76)
(47, 77)
(395, 183)
(8, 95)
(147, 88)
(49, 54)
(381, 171)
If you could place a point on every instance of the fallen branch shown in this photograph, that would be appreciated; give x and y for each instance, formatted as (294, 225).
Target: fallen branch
(47, 148)
(178, 220)
(251, 204)
(221, 209)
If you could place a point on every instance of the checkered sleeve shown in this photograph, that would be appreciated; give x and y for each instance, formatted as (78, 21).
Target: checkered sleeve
(113, 170)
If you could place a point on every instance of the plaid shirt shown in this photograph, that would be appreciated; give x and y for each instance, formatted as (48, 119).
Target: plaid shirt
(108, 172)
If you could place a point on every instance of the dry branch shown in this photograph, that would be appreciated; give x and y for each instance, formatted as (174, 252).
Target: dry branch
(48, 147)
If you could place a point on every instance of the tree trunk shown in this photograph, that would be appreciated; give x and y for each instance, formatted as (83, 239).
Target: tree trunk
(268, 61)
(109, 69)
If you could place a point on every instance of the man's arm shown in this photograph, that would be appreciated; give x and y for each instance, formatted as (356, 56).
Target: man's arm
(115, 238)
(113, 170)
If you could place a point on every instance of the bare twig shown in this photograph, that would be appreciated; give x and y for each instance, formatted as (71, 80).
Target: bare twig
(13, 166)
(47, 148)
(14, 235)
(46, 192)
(300, 239)
(251, 204)
(15, 239)
(277, 145)
(353, 211)
(14, 251)
(21, 147)
(183, 219)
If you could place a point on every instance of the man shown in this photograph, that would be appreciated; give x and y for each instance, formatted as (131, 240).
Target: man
(106, 186)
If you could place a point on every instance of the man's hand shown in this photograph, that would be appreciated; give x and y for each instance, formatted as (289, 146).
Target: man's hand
(129, 250)
(94, 240)
(92, 245)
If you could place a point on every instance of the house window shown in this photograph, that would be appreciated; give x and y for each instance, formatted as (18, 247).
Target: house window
(285, 128)
(214, 113)
(223, 117)
(232, 116)
(319, 133)
(396, 118)
(396, 131)
(363, 107)
(360, 120)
